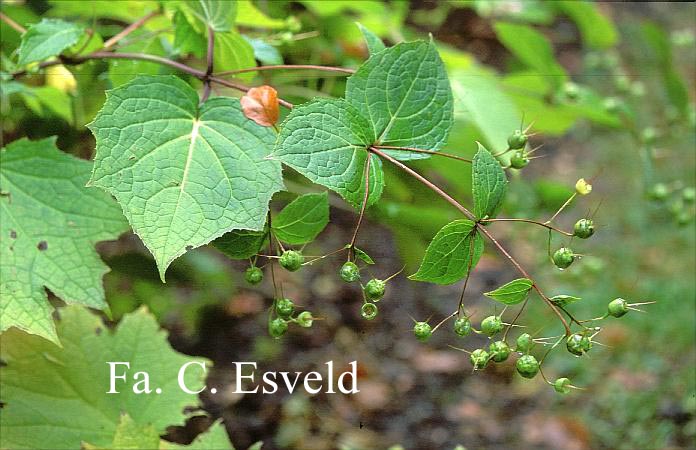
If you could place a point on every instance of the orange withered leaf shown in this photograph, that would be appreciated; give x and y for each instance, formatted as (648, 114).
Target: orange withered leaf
(260, 104)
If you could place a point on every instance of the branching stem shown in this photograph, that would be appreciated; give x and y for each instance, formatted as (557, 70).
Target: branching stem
(288, 67)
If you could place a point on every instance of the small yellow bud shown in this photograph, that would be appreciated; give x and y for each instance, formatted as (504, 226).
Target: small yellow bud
(582, 187)
(61, 78)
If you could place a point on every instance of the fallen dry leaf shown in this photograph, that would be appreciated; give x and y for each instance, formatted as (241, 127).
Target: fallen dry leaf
(260, 104)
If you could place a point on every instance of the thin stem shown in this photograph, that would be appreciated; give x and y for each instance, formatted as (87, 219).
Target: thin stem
(287, 67)
(479, 226)
(14, 25)
(420, 150)
(517, 316)
(128, 30)
(562, 207)
(535, 222)
(366, 195)
(209, 64)
(444, 320)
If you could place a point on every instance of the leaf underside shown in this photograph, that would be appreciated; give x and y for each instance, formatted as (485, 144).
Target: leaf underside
(302, 219)
(183, 175)
(513, 292)
(49, 223)
(489, 184)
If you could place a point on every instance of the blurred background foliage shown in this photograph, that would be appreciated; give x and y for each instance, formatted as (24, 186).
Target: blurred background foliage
(590, 77)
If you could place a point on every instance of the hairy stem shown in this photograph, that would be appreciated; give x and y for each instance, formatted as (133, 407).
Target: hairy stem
(479, 226)
(420, 150)
(288, 67)
(128, 30)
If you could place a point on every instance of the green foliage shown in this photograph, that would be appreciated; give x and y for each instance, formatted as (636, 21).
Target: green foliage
(452, 254)
(597, 30)
(373, 42)
(513, 292)
(241, 244)
(196, 172)
(49, 224)
(489, 184)
(214, 14)
(69, 382)
(303, 219)
(47, 38)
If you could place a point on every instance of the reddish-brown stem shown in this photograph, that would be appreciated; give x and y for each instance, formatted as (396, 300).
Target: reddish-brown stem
(420, 150)
(535, 222)
(366, 196)
(209, 64)
(288, 67)
(479, 226)
(128, 30)
(14, 25)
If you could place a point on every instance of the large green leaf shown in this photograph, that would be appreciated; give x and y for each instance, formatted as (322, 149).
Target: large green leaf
(49, 223)
(47, 38)
(57, 397)
(326, 140)
(216, 14)
(454, 251)
(404, 93)
(513, 292)
(183, 174)
(489, 184)
(231, 51)
(241, 244)
(303, 219)
(532, 48)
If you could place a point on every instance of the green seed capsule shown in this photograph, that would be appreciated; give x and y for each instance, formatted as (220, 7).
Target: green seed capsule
(689, 194)
(369, 311)
(499, 351)
(527, 366)
(291, 260)
(584, 228)
(517, 140)
(519, 160)
(479, 359)
(462, 326)
(563, 257)
(423, 331)
(492, 325)
(524, 343)
(284, 307)
(617, 307)
(350, 272)
(253, 275)
(571, 91)
(305, 319)
(658, 192)
(277, 327)
(374, 289)
(562, 385)
(578, 344)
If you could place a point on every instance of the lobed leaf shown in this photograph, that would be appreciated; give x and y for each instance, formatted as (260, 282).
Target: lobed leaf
(453, 252)
(513, 292)
(405, 95)
(47, 38)
(49, 223)
(184, 174)
(489, 184)
(302, 219)
(64, 401)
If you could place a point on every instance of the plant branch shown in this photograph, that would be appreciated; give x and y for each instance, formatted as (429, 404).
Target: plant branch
(129, 29)
(366, 196)
(420, 150)
(479, 226)
(535, 222)
(14, 25)
(209, 64)
(288, 67)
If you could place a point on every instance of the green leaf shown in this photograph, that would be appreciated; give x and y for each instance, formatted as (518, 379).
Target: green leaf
(511, 293)
(49, 223)
(183, 174)
(249, 16)
(241, 244)
(64, 401)
(404, 93)
(231, 52)
(264, 52)
(47, 38)
(186, 39)
(564, 300)
(532, 48)
(326, 141)
(303, 219)
(374, 43)
(364, 257)
(454, 251)
(218, 15)
(130, 435)
(488, 184)
(214, 437)
(597, 30)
